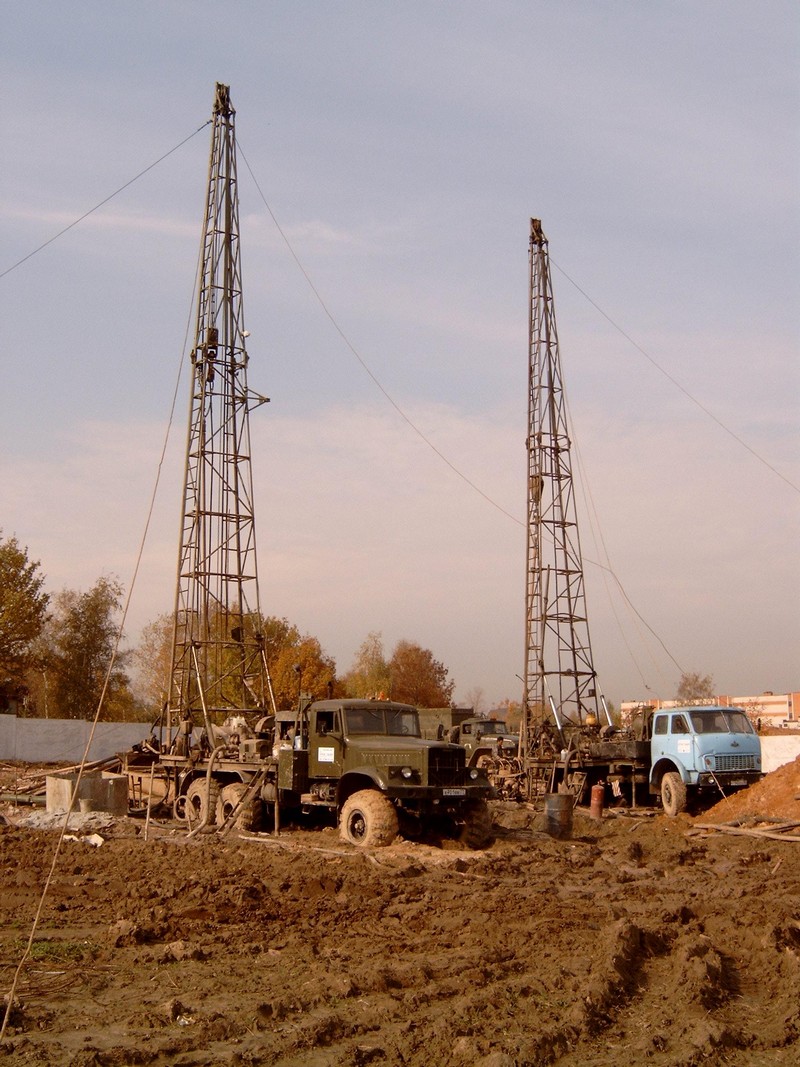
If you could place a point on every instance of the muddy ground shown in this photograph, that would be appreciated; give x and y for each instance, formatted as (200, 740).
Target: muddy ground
(640, 939)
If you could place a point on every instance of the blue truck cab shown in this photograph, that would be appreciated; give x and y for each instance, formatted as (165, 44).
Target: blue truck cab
(701, 752)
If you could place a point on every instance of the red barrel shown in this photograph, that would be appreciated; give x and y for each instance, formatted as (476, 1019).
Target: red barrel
(596, 805)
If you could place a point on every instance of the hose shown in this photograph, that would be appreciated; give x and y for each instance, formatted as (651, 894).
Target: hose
(207, 814)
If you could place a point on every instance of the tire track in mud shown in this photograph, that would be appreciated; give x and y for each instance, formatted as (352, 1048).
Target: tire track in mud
(603, 949)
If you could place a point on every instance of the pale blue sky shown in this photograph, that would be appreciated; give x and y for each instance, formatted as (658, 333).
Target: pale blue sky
(403, 149)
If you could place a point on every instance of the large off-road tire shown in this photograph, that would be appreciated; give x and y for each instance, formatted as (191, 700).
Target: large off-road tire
(476, 829)
(201, 802)
(368, 819)
(673, 793)
(250, 815)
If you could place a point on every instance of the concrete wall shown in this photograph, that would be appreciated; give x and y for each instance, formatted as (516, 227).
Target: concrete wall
(776, 750)
(64, 740)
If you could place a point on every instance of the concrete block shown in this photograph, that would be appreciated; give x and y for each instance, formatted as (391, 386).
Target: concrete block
(98, 791)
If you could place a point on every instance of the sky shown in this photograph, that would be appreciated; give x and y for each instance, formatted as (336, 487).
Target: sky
(391, 157)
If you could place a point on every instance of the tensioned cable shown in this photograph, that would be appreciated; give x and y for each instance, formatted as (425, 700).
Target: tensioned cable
(409, 421)
(608, 570)
(406, 418)
(102, 203)
(419, 432)
(676, 383)
(140, 553)
(107, 679)
(607, 567)
(444, 458)
(390, 399)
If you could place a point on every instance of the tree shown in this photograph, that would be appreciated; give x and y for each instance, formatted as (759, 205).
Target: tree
(152, 659)
(286, 648)
(476, 699)
(316, 675)
(83, 636)
(23, 614)
(369, 675)
(693, 687)
(417, 678)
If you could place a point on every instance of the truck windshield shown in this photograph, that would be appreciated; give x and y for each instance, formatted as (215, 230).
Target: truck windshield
(392, 722)
(721, 722)
(494, 729)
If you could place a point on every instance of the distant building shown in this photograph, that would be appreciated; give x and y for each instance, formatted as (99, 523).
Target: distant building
(773, 709)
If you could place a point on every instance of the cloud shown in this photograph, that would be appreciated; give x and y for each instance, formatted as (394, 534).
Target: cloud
(403, 165)
(361, 527)
(104, 219)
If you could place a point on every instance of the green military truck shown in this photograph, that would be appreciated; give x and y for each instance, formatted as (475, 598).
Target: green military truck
(491, 746)
(363, 761)
(484, 738)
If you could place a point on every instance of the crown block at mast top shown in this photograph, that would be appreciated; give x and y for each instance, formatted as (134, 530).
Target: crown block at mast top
(537, 234)
(222, 100)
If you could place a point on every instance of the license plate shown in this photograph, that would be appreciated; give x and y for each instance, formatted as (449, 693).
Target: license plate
(739, 781)
(454, 792)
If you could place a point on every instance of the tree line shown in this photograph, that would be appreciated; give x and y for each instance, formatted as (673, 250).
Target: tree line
(61, 657)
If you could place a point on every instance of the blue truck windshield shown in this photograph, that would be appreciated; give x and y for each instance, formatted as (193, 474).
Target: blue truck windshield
(721, 722)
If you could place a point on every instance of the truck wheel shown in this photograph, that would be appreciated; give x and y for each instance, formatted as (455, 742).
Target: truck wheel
(673, 793)
(368, 819)
(201, 803)
(476, 831)
(249, 816)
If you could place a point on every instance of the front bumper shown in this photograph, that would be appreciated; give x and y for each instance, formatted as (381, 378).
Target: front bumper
(728, 779)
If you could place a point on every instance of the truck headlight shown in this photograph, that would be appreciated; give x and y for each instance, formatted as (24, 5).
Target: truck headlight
(474, 773)
(408, 774)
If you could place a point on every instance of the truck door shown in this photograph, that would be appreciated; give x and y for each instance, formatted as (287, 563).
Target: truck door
(325, 744)
(682, 740)
(659, 736)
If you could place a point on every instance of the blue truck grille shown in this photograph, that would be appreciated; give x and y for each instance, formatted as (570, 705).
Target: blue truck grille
(734, 762)
(446, 766)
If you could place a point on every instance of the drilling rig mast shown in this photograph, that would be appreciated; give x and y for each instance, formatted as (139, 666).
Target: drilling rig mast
(219, 664)
(560, 680)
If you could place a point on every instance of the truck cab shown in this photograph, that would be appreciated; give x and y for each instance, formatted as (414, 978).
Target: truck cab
(484, 739)
(701, 752)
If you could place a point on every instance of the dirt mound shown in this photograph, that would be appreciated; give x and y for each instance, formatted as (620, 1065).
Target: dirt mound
(627, 942)
(776, 796)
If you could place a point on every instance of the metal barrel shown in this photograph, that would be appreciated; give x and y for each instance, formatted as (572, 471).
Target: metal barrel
(558, 814)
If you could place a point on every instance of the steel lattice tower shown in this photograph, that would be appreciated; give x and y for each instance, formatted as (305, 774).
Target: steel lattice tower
(559, 674)
(218, 660)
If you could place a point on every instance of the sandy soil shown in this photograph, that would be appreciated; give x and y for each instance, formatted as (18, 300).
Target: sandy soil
(637, 940)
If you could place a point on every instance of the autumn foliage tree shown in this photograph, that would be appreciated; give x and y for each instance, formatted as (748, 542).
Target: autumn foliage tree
(417, 678)
(369, 675)
(287, 650)
(23, 614)
(411, 676)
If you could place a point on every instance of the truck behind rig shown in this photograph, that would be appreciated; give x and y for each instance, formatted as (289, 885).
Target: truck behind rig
(685, 757)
